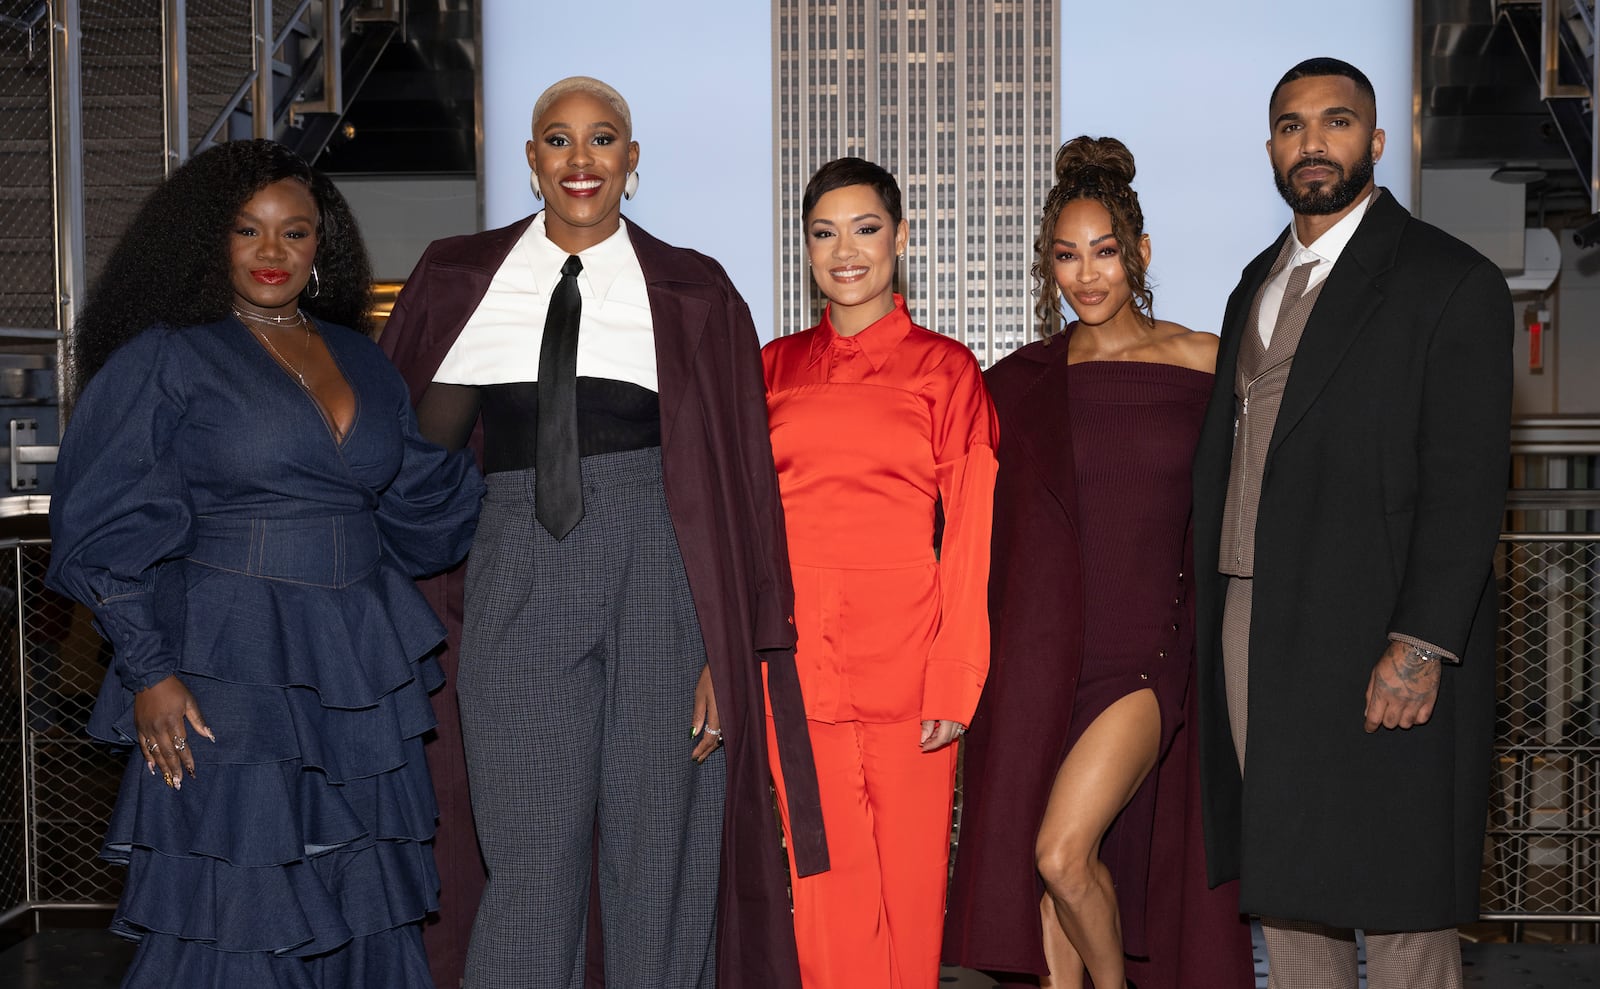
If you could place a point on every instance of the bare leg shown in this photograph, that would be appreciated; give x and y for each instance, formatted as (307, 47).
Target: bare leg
(1066, 968)
(1096, 780)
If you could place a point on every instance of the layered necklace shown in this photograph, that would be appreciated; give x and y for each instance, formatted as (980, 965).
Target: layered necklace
(297, 318)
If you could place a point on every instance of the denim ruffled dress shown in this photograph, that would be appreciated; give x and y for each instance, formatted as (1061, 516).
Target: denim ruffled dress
(207, 514)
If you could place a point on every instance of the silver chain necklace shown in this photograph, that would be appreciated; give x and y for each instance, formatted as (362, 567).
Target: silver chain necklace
(305, 324)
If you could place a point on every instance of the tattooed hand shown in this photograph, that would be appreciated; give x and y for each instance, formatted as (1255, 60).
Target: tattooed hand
(1402, 689)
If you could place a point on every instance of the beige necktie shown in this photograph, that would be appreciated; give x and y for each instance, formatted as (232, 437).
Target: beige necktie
(1295, 308)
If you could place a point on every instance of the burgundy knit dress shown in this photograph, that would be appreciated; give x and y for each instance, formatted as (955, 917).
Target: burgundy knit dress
(1090, 601)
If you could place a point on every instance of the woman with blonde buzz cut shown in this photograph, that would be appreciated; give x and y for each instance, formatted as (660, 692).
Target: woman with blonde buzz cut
(628, 585)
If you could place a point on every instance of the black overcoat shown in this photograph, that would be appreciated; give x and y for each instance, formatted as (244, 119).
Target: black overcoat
(1381, 503)
(722, 496)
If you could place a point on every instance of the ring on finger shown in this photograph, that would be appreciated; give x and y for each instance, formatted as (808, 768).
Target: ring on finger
(714, 732)
(152, 745)
(179, 743)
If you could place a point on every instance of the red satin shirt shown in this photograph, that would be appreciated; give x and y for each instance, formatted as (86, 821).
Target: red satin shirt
(869, 432)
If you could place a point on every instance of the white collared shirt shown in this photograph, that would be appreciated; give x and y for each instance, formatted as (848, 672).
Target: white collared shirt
(1325, 250)
(616, 340)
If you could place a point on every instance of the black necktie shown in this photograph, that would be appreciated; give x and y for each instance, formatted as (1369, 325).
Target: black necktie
(557, 486)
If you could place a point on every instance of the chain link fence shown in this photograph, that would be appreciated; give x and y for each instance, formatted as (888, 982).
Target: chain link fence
(27, 231)
(1544, 822)
(124, 150)
(57, 787)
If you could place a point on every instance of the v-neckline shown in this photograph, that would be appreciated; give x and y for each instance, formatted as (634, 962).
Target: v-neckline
(339, 439)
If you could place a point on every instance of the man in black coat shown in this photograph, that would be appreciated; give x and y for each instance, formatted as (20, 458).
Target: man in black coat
(1349, 489)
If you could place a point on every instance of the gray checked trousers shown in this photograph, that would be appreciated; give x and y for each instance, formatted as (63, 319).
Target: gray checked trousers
(579, 661)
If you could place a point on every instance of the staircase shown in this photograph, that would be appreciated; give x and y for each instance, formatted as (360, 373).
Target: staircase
(128, 141)
(1558, 40)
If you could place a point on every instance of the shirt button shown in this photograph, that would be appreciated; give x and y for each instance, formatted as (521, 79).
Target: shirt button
(1162, 654)
(1144, 676)
(1174, 628)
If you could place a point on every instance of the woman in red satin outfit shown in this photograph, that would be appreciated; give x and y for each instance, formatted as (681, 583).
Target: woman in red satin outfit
(876, 424)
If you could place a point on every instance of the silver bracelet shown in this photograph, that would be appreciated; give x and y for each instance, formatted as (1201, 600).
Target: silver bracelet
(1425, 654)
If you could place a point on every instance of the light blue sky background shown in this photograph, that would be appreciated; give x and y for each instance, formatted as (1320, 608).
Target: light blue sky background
(1184, 84)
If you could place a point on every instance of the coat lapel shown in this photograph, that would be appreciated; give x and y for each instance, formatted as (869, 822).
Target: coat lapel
(1049, 450)
(1352, 293)
(679, 309)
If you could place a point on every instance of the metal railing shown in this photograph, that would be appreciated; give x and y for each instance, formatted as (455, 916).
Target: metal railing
(1542, 859)
(57, 787)
(1544, 819)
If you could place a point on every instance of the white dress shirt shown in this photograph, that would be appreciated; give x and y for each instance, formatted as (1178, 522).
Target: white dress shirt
(500, 342)
(1325, 250)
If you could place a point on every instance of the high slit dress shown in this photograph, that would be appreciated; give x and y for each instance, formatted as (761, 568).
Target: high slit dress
(1090, 600)
(219, 530)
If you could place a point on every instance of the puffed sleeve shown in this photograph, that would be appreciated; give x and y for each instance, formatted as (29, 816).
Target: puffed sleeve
(429, 512)
(965, 433)
(120, 509)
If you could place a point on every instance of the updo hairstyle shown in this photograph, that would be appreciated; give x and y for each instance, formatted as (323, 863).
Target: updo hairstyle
(1101, 169)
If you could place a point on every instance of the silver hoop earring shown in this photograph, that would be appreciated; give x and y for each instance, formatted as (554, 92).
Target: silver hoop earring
(533, 183)
(314, 289)
(630, 188)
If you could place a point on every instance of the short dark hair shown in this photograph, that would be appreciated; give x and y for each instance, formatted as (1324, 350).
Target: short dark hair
(1325, 66)
(842, 172)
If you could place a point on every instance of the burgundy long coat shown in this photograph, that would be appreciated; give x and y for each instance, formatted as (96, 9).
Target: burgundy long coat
(722, 495)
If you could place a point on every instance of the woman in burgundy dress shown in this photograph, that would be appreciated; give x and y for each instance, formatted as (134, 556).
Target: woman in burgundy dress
(1078, 853)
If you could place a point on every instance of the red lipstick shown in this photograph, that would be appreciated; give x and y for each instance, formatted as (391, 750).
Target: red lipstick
(269, 276)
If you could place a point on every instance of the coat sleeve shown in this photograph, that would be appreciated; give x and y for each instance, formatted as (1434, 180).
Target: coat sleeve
(121, 510)
(1463, 451)
(772, 594)
(965, 434)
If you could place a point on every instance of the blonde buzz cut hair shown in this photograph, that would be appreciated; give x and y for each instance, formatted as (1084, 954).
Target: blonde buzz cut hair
(591, 86)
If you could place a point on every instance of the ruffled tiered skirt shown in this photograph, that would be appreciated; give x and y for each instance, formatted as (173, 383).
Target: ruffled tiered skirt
(300, 855)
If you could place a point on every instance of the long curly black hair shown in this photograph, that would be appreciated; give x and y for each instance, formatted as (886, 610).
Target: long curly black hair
(170, 269)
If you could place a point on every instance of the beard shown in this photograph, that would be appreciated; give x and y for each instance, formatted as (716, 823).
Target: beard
(1325, 199)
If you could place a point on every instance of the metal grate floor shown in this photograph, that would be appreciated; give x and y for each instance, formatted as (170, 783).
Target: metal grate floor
(1484, 966)
(91, 959)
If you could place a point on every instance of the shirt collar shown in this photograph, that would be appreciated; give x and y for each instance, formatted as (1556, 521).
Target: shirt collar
(877, 341)
(602, 263)
(1333, 241)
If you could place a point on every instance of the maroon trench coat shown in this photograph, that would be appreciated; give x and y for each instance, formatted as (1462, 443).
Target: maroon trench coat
(722, 494)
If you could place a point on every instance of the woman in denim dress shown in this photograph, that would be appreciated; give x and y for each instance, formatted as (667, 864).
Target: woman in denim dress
(242, 499)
